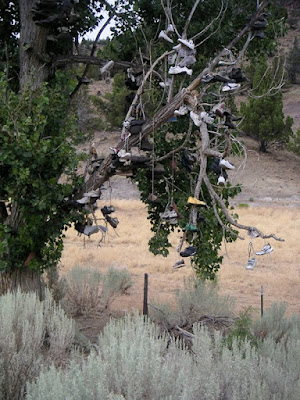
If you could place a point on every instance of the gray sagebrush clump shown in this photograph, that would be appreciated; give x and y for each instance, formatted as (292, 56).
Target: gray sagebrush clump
(32, 333)
(135, 361)
(90, 292)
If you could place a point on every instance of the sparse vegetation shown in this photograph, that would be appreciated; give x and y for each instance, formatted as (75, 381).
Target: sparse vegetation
(89, 292)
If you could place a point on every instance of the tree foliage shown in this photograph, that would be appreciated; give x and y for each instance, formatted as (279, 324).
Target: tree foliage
(263, 115)
(37, 150)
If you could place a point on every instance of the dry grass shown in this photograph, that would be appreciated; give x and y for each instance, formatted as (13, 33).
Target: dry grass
(277, 272)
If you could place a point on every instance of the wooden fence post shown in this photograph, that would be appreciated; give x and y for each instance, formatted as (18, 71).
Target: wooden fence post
(145, 306)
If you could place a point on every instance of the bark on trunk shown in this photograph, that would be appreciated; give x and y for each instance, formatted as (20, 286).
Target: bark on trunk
(23, 279)
(33, 40)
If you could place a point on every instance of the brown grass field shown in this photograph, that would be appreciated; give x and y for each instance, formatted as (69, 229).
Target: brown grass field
(127, 246)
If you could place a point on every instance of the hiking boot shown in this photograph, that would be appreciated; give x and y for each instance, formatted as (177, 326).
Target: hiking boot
(251, 264)
(265, 250)
(107, 210)
(163, 35)
(191, 228)
(226, 164)
(112, 221)
(196, 202)
(188, 252)
(179, 264)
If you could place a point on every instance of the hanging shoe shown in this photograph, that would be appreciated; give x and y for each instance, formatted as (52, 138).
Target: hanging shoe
(189, 252)
(107, 210)
(228, 121)
(152, 198)
(206, 118)
(181, 111)
(83, 200)
(159, 168)
(188, 61)
(226, 164)
(170, 29)
(107, 67)
(112, 221)
(251, 263)
(191, 228)
(172, 59)
(93, 193)
(221, 180)
(163, 35)
(187, 43)
(196, 118)
(180, 70)
(265, 250)
(168, 214)
(179, 264)
(230, 86)
(196, 202)
(146, 145)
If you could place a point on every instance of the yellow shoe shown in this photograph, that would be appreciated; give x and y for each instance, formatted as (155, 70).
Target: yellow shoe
(196, 202)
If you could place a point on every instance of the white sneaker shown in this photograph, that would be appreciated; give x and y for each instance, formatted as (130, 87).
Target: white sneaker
(84, 200)
(90, 230)
(164, 36)
(170, 29)
(177, 47)
(230, 86)
(221, 180)
(92, 193)
(265, 250)
(181, 111)
(187, 61)
(226, 164)
(172, 58)
(107, 67)
(195, 118)
(250, 264)
(187, 43)
(179, 70)
(206, 118)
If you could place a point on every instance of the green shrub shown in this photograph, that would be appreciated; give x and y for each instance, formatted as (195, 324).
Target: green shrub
(32, 333)
(91, 292)
(134, 361)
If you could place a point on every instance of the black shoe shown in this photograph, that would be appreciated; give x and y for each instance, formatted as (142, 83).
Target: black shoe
(107, 210)
(146, 145)
(215, 167)
(112, 221)
(228, 122)
(189, 251)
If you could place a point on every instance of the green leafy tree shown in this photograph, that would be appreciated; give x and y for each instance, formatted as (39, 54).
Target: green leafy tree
(264, 118)
(39, 134)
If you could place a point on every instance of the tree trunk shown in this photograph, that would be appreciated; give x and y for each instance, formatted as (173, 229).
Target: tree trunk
(23, 279)
(33, 40)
